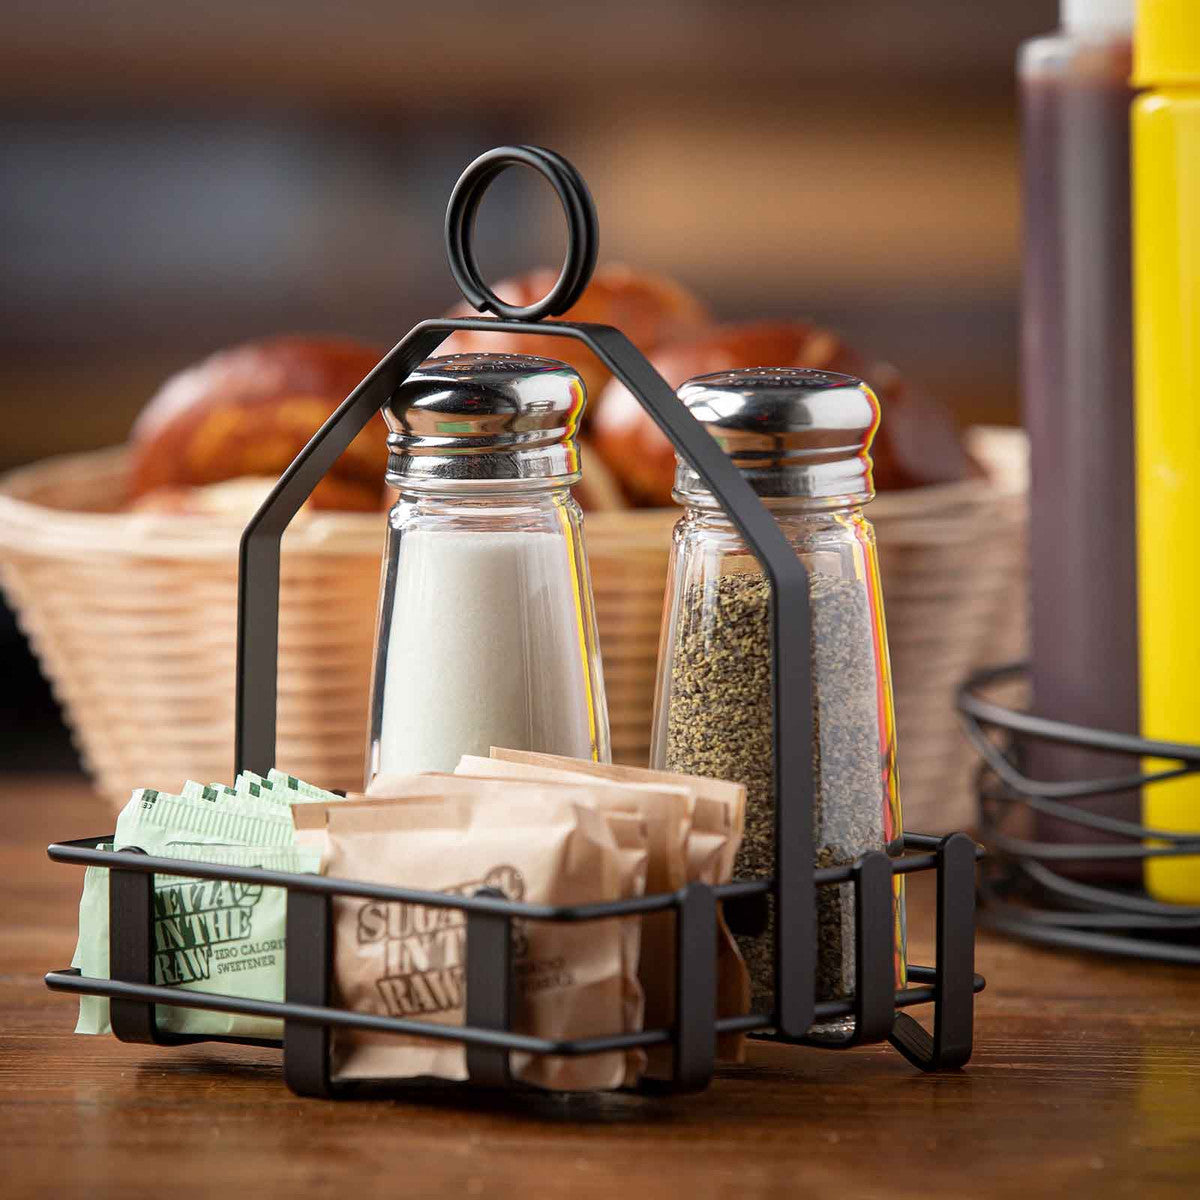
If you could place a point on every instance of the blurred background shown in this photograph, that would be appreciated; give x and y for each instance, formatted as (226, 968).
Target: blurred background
(175, 178)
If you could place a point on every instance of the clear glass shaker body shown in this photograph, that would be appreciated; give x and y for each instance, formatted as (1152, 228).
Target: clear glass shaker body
(487, 632)
(713, 712)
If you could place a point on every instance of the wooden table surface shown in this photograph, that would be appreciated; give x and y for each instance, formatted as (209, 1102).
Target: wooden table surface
(1085, 1083)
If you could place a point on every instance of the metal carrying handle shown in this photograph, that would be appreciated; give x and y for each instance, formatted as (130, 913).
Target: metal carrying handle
(583, 234)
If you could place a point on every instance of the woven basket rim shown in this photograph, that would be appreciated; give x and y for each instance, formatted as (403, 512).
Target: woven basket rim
(30, 528)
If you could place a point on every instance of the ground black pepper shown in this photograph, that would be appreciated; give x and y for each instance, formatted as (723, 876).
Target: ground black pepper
(719, 724)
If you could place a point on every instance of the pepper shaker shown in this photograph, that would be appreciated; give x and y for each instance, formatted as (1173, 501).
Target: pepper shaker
(802, 439)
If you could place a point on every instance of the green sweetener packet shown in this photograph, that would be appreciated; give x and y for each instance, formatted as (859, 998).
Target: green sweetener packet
(187, 826)
(209, 936)
(280, 788)
(296, 790)
(277, 788)
(244, 793)
(247, 784)
(275, 792)
(152, 819)
(212, 792)
(206, 932)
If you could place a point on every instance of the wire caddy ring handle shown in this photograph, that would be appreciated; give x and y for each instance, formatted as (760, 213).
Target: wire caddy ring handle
(583, 235)
(308, 1017)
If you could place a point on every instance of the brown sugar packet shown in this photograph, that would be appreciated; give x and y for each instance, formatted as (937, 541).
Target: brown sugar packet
(630, 834)
(573, 979)
(718, 818)
(631, 831)
(665, 812)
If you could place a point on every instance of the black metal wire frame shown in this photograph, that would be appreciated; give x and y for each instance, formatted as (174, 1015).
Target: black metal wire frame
(1021, 892)
(309, 1015)
(258, 593)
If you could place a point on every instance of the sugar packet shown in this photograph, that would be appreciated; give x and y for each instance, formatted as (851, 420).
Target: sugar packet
(717, 811)
(572, 979)
(665, 810)
(647, 830)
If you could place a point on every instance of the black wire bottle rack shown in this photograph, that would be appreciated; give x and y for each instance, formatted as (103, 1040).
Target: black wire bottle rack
(309, 1012)
(1030, 888)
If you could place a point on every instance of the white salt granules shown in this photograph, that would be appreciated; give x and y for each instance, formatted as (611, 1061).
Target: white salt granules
(485, 649)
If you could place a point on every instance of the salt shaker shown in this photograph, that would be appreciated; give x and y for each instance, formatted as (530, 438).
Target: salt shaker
(801, 438)
(486, 630)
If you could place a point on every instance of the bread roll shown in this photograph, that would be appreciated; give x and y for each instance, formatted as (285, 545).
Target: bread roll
(918, 442)
(249, 411)
(648, 309)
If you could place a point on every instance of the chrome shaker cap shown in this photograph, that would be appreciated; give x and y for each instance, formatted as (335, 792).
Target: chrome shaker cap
(792, 431)
(467, 419)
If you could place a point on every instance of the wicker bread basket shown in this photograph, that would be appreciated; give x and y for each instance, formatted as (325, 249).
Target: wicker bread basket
(133, 617)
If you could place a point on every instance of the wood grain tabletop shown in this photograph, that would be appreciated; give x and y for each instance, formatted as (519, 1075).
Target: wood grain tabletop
(1085, 1083)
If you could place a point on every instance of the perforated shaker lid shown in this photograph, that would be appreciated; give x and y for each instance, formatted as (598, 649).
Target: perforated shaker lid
(792, 431)
(468, 419)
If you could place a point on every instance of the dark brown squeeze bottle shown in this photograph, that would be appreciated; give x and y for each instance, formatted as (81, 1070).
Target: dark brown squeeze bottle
(1078, 403)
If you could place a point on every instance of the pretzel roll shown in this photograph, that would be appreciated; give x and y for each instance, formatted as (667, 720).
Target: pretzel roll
(917, 443)
(648, 309)
(249, 410)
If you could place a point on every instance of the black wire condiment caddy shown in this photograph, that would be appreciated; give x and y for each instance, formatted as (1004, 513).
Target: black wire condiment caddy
(308, 1010)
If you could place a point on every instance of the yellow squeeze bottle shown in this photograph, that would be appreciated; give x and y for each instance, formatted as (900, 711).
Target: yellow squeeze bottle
(1166, 271)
